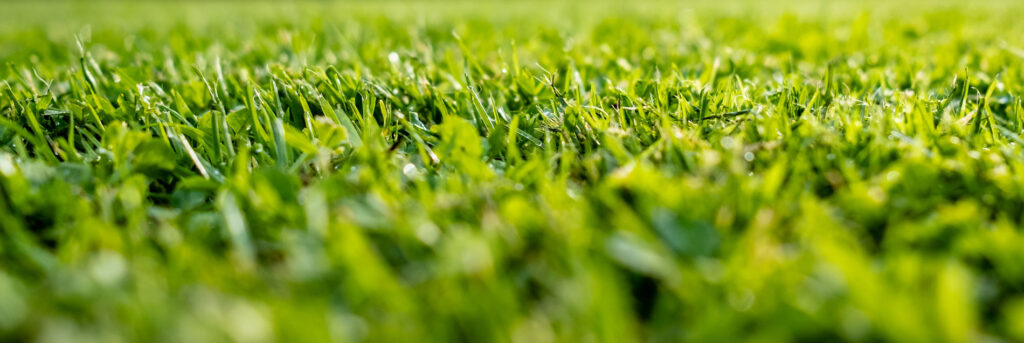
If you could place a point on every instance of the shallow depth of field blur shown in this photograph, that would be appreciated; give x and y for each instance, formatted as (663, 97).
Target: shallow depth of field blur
(539, 171)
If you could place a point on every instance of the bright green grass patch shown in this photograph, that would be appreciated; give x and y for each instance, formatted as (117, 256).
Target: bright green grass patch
(531, 172)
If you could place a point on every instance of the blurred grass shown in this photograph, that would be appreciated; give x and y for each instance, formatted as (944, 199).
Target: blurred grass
(536, 171)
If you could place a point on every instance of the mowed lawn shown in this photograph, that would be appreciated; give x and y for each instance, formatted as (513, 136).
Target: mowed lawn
(540, 171)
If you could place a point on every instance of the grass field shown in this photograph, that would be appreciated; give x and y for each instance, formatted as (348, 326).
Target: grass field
(764, 171)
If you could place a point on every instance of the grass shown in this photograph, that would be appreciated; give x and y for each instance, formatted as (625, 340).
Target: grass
(528, 172)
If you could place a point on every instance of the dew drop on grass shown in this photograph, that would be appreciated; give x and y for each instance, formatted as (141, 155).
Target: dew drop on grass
(742, 300)
(892, 176)
(728, 142)
(410, 170)
(749, 156)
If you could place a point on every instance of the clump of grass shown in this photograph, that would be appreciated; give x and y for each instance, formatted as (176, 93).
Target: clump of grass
(321, 172)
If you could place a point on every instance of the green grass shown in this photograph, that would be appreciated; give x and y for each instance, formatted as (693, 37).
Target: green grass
(531, 172)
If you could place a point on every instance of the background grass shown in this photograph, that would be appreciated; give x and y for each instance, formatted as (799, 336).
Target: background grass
(538, 171)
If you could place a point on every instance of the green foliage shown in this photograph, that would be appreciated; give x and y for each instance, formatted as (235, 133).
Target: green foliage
(533, 172)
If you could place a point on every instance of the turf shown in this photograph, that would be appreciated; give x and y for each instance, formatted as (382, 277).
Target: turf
(530, 172)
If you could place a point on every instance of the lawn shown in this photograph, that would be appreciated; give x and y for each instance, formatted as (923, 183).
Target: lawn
(538, 171)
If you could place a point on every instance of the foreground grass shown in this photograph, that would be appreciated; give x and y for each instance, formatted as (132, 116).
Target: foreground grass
(511, 172)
